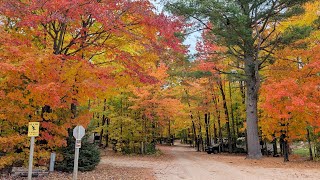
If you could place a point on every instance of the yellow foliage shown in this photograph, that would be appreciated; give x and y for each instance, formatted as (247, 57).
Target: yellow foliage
(6, 160)
(311, 14)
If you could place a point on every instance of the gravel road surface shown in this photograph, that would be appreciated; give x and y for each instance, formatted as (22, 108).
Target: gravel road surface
(184, 163)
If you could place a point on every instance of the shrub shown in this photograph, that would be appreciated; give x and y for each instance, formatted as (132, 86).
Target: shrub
(89, 157)
(150, 148)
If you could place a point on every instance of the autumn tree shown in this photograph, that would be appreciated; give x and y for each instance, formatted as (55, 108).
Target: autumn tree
(32, 89)
(247, 29)
(157, 104)
(290, 95)
(58, 55)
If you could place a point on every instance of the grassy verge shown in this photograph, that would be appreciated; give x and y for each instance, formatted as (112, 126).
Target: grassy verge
(303, 152)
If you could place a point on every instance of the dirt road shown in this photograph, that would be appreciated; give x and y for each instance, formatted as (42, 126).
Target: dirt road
(182, 162)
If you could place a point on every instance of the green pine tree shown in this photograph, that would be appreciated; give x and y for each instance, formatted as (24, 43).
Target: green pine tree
(89, 157)
(248, 29)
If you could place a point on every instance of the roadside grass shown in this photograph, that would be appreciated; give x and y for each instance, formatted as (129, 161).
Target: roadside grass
(303, 152)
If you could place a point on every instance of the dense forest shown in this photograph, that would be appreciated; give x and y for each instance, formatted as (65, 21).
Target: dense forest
(120, 69)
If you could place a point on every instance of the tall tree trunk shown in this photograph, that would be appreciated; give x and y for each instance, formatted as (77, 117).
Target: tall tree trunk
(275, 148)
(284, 147)
(253, 85)
(107, 133)
(243, 103)
(200, 132)
(206, 120)
(237, 123)
(144, 128)
(214, 133)
(243, 92)
(153, 142)
(286, 151)
(309, 143)
(103, 122)
(232, 117)
(225, 107)
(194, 133)
(191, 117)
(209, 130)
(216, 100)
(169, 129)
(281, 144)
(101, 132)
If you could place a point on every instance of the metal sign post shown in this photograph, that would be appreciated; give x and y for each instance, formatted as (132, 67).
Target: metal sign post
(78, 133)
(52, 160)
(33, 130)
(75, 166)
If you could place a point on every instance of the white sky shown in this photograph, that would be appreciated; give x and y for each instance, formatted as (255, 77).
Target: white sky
(191, 40)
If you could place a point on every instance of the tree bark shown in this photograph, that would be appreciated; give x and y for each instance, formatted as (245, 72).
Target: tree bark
(144, 141)
(225, 107)
(281, 144)
(215, 100)
(206, 120)
(209, 130)
(194, 133)
(169, 129)
(286, 150)
(275, 148)
(107, 134)
(101, 132)
(103, 122)
(237, 123)
(253, 84)
(214, 133)
(232, 117)
(309, 143)
(243, 93)
(200, 132)
(191, 117)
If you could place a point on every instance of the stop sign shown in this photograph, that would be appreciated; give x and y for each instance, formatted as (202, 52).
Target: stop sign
(78, 132)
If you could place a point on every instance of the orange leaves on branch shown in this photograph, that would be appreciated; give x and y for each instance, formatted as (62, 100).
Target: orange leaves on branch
(57, 53)
(155, 101)
(291, 94)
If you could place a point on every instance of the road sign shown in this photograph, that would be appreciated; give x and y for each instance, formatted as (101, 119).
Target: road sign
(78, 132)
(33, 129)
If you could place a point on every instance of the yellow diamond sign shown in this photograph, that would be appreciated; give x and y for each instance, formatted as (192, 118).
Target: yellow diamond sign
(33, 129)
